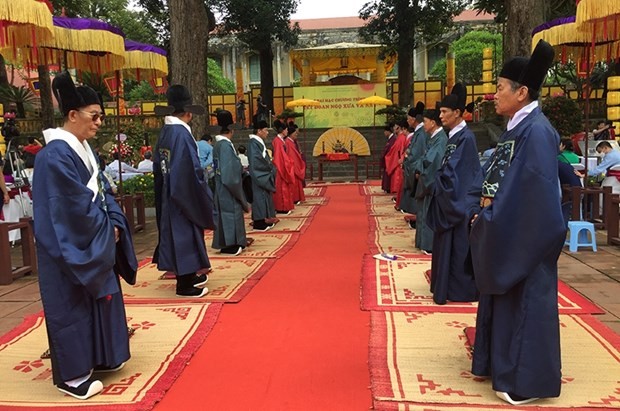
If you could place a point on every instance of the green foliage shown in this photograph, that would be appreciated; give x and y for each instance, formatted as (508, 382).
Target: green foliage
(398, 24)
(468, 54)
(141, 91)
(23, 98)
(260, 22)
(565, 75)
(144, 183)
(393, 113)
(95, 82)
(564, 114)
(288, 113)
(216, 82)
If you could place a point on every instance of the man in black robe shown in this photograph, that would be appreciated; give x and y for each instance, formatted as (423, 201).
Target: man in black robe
(516, 240)
(183, 200)
(451, 207)
(83, 245)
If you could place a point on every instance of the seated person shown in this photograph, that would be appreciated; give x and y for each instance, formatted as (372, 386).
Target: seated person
(611, 159)
(566, 152)
(146, 165)
(602, 130)
(113, 167)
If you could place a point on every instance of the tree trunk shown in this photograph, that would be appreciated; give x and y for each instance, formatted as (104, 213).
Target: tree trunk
(45, 90)
(523, 17)
(405, 75)
(266, 76)
(188, 52)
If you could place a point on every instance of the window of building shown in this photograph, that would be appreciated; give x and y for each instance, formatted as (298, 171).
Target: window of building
(254, 63)
(434, 54)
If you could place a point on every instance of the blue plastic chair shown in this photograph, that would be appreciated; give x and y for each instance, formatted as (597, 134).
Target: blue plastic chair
(578, 235)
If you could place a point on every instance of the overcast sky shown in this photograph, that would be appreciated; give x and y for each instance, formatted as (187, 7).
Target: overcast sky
(314, 9)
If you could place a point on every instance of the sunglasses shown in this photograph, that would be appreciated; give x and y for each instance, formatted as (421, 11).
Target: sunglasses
(94, 116)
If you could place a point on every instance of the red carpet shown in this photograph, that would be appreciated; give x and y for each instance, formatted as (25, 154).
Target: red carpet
(299, 340)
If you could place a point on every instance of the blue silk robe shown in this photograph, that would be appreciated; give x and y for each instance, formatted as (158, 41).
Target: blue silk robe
(427, 168)
(79, 264)
(183, 203)
(263, 174)
(230, 201)
(515, 245)
(449, 214)
(414, 153)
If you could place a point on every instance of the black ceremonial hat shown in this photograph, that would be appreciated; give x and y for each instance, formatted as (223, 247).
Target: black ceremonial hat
(530, 72)
(418, 109)
(179, 101)
(70, 97)
(433, 114)
(224, 118)
(456, 99)
(259, 124)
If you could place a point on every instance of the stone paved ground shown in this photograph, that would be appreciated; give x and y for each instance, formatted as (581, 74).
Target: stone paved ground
(595, 275)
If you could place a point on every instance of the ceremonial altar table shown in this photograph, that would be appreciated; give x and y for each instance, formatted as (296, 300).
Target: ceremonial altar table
(337, 158)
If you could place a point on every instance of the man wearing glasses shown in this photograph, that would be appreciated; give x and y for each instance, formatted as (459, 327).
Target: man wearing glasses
(83, 245)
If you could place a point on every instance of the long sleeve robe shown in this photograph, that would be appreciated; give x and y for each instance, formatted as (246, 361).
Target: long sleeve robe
(385, 177)
(449, 214)
(183, 203)
(285, 177)
(230, 201)
(427, 167)
(299, 168)
(515, 245)
(393, 163)
(414, 153)
(263, 175)
(79, 264)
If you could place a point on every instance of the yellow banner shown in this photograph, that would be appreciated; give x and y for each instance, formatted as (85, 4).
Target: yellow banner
(339, 105)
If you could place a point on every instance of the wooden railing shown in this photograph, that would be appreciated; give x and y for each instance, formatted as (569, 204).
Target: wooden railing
(29, 258)
(587, 204)
(612, 217)
(133, 207)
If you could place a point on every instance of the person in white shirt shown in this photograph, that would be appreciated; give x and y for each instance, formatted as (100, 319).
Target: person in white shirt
(146, 165)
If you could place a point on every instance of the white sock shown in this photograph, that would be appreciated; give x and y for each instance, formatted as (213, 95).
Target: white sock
(79, 381)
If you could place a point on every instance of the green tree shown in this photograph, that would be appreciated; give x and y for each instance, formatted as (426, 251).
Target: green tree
(521, 17)
(216, 82)
(402, 25)
(565, 75)
(468, 55)
(258, 24)
(138, 91)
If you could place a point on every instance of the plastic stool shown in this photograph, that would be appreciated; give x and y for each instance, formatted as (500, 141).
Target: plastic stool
(578, 236)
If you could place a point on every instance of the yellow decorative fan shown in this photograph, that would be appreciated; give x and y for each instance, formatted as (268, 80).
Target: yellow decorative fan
(341, 140)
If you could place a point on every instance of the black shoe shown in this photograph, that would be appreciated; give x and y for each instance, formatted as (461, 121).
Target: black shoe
(297, 202)
(261, 225)
(284, 212)
(412, 224)
(232, 250)
(200, 280)
(84, 391)
(109, 369)
(191, 292)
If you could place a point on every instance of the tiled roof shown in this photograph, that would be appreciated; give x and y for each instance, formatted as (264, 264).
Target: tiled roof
(356, 22)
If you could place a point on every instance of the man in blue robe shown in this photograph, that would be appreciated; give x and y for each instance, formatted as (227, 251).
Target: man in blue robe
(413, 154)
(263, 174)
(83, 245)
(230, 201)
(516, 240)
(183, 200)
(425, 173)
(451, 208)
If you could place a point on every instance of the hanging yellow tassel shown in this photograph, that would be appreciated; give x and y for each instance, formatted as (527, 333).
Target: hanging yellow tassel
(27, 15)
(151, 65)
(590, 10)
